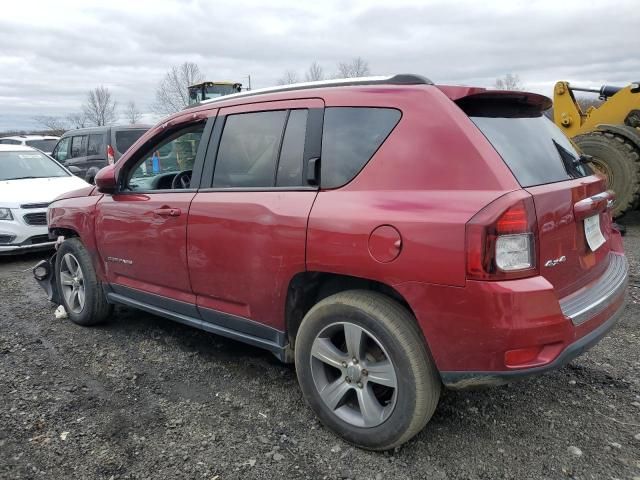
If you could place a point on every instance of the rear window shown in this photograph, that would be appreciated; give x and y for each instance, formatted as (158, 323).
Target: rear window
(44, 145)
(534, 149)
(350, 137)
(126, 138)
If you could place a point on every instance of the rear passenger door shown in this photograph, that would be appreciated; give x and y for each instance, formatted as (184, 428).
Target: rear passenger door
(246, 233)
(77, 154)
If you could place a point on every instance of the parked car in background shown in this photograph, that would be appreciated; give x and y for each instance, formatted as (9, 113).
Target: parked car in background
(388, 235)
(87, 150)
(29, 181)
(44, 143)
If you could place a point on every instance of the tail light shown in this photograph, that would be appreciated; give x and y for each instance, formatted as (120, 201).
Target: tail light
(501, 239)
(111, 159)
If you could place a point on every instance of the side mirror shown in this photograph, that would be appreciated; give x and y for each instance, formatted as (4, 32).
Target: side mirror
(106, 180)
(74, 170)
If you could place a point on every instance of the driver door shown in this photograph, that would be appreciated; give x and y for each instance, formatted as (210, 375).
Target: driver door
(141, 229)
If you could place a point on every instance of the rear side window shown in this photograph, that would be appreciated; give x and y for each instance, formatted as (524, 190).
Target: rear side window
(9, 141)
(126, 138)
(78, 146)
(292, 151)
(95, 145)
(350, 137)
(534, 149)
(249, 149)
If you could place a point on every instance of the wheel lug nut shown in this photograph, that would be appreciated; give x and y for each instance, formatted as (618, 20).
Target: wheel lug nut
(347, 379)
(359, 384)
(365, 372)
(355, 360)
(344, 364)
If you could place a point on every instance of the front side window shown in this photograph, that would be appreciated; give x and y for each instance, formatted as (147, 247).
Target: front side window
(350, 137)
(249, 148)
(78, 146)
(28, 164)
(61, 152)
(169, 164)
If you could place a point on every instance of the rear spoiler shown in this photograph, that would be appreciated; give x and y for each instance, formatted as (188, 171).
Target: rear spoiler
(497, 103)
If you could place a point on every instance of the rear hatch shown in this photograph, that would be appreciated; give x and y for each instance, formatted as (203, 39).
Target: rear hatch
(571, 203)
(124, 137)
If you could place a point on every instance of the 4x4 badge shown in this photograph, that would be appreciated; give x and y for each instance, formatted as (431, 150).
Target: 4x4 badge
(555, 261)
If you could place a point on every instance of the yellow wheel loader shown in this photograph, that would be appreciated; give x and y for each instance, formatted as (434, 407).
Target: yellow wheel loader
(608, 133)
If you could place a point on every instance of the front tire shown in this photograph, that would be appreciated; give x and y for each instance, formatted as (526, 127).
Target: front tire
(80, 291)
(364, 368)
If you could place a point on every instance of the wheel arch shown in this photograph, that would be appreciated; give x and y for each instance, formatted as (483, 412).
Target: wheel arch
(308, 288)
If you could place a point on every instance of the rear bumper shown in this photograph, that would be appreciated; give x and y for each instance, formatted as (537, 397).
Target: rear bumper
(462, 380)
(477, 333)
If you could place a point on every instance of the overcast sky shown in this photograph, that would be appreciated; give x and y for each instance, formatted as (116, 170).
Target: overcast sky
(53, 52)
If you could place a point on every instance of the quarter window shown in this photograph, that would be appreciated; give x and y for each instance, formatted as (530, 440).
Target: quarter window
(350, 137)
(249, 149)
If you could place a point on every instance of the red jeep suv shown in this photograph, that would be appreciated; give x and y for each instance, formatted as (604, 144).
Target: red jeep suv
(389, 235)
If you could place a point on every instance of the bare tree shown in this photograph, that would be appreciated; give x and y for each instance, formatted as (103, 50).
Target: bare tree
(314, 73)
(509, 82)
(55, 125)
(77, 120)
(100, 107)
(288, 78)
(358, 67)
(131, 113)
(172, 94)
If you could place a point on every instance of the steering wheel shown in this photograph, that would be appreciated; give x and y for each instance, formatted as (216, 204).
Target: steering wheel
(182, 180)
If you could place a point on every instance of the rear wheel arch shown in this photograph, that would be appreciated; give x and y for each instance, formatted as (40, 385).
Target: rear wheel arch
(306, 289)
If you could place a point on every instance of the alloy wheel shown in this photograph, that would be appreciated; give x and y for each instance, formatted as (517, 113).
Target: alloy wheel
(353, 374)
(72, 283)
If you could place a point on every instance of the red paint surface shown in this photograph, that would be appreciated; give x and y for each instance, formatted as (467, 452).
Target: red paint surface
(238, 251)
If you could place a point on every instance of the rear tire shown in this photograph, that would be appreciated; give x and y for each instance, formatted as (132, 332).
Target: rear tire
(619, 160)
(385, 397)
(80, 291)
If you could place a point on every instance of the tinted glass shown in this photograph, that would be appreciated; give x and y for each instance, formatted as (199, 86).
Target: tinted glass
(249, 149)
(78, 146)
(535, 150)
(292, 151)
(9, 141)
(350, 137)
(157, 169)
(126, 138)
(44, 145)
(17, 165)
(95, 145)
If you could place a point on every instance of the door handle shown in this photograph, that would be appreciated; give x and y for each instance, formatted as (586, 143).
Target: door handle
(167, 212)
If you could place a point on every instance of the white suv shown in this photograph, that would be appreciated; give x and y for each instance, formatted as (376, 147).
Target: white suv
(29, 181)
(44, 143)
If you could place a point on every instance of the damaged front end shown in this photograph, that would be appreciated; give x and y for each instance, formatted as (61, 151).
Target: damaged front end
(44, 273)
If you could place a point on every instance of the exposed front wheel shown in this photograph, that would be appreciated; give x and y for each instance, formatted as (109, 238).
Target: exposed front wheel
(364, 368)
(80, 291)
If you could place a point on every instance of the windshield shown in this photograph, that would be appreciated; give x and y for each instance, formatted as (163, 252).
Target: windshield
(25, 164)
(214, 91)
(44, 145)
(535, 150)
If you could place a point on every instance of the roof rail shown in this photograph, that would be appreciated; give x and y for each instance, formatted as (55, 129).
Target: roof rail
(400, 79)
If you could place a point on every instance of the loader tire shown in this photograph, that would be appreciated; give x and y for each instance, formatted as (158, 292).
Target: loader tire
(619, 160)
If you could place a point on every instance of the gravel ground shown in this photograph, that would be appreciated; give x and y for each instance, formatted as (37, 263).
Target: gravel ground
(142, 397)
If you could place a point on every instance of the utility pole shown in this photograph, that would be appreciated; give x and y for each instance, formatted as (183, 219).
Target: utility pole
(249, 82)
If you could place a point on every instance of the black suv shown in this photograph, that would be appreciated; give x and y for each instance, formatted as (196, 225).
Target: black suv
(87, 150)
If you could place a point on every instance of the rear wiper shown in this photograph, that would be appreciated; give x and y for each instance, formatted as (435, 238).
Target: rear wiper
(582, 159)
